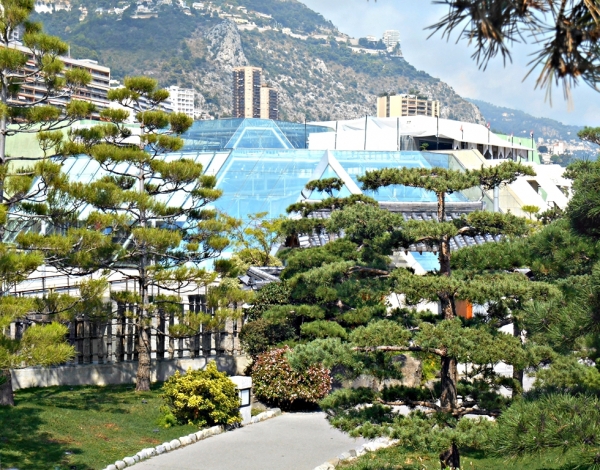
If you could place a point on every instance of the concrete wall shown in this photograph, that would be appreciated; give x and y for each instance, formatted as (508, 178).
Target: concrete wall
(117, 373)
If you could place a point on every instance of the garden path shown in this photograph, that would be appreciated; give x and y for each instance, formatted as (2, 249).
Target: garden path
(292, 441)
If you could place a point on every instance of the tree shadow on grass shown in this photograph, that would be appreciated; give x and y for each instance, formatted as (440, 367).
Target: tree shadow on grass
(108, 399)
(24, 446)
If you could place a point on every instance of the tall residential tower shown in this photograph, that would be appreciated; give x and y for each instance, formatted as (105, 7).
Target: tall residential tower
(252, 99)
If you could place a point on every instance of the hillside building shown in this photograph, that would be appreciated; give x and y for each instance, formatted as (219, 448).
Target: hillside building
(269, 103)
(252, 99)
(181, 100)
(95, 92)
(246, 92)
(406, 105)
(391, 37)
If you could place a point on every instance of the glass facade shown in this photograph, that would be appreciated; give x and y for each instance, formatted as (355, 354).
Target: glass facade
(249, 134)
(270, 180)
(262, 166)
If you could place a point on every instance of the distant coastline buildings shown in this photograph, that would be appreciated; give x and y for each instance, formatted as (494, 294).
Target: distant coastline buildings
(252, 98)
(390, 105)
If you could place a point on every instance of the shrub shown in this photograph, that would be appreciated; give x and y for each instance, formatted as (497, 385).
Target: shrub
(275, 382)
(256, 336)
(200, 397)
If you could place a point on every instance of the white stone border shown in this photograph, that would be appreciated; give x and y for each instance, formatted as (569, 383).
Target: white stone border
(184, 441)
(371, 446)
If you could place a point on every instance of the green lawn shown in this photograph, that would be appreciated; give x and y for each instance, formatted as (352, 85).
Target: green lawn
(397, 458)
(80, 428)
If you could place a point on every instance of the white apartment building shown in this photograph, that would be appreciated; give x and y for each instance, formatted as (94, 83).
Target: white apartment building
(391, 37)
(181, 100)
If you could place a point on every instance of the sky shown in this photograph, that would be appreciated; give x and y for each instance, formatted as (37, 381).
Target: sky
(451, 61)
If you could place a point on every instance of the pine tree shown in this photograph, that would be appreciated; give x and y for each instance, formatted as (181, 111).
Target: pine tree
(36, 64)
(341, 289)
(131, 226)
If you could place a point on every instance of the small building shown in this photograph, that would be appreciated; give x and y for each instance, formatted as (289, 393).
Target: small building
(391, 37)
(406, 105)
(181, 100)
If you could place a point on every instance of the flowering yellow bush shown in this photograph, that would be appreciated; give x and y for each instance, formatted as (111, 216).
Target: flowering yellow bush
(201, 397)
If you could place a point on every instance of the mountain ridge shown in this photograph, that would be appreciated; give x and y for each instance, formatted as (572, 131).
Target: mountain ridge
(318, 78)
(509, 120)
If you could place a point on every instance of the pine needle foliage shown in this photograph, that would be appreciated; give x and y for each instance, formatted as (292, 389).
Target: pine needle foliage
(132, 224)
(37, 62)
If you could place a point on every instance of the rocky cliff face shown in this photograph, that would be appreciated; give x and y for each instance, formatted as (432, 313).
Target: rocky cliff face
(315, 81)
(318, 79)
(225, 46)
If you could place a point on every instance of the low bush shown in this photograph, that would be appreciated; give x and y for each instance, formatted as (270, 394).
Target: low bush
(200, 397)
(256, 336)
(276, 383)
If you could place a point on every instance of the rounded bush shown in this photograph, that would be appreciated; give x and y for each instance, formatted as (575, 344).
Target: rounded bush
(256, 336)
(276, 383)
(201, 397)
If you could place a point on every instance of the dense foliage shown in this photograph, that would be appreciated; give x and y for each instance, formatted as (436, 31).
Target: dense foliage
(43, 344)
(336, 300)
(201, 397)
(276, 382)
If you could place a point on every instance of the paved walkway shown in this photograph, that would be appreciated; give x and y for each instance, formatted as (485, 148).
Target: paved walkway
(294, 441)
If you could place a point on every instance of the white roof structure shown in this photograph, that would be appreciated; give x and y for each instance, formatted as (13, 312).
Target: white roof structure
(385, 133)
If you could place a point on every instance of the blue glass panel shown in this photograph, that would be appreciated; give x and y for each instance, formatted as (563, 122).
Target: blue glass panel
(297, 133)
(440, 160)
(264, 180)
(427, 260)
(217, 134)
(357, 163)
(210, 135)
(258, 134)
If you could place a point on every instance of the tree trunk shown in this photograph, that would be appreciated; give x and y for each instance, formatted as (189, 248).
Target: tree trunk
(517, 374)
(6, 391)
(450, 458)
(449, 379)
(143, 371)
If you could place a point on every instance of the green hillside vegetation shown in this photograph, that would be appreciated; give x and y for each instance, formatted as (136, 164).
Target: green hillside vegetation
(316, 78)
(506, 121)
(289, 14)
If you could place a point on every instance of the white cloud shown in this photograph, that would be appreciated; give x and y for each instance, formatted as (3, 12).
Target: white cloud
(500, 85)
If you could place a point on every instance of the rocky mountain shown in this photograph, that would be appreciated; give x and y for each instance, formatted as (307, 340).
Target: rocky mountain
(312, 64)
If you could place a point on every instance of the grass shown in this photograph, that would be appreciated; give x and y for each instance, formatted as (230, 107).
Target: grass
(397, 458)
(80, 428)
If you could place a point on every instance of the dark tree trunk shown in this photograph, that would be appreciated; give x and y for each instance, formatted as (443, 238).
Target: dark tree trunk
(449, 379)
(450, 458)
(6, 391)
(517, 373)
(143, 371)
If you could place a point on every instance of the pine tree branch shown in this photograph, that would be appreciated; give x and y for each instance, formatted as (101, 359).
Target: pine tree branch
(436, 351)
(362, 269)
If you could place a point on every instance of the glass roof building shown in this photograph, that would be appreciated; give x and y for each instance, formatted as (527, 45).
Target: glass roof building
(263, 166)
(269, 180)
(240, 133)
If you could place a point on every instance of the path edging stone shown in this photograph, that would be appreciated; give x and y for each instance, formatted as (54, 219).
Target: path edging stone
(145, 454)
(371, 446)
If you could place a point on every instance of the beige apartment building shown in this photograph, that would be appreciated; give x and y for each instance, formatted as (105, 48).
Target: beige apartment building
(252, 99)
(406, 105)
(269, 103)
(96, 92)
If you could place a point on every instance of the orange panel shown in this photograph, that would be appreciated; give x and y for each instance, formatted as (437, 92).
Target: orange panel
(464, 309)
